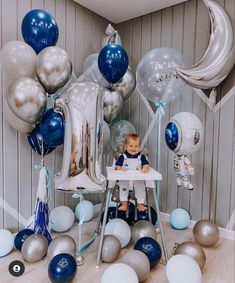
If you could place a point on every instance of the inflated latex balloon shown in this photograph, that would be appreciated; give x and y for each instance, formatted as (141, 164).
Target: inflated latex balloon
(113, 103)
(62, 268)
(194, 251)
(150, 248)
(34, 248)
(18, 60)
(39, 29)
(119, 229)
(61, 244)
(183, 269)
(206, 233)
(27, 99)
(53, 68)
(179, 218)
(119, 130)
(37, 143)
(119, 272)
(156, 76)
(21, 237)
(61, 218)
(139, 262)
(85, 210)
(111, 249)
(113, 62)
(51, 128)
(143, 228)
(6, 242)
(143, 215)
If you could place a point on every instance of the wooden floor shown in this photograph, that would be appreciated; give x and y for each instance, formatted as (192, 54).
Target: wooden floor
(219, 265)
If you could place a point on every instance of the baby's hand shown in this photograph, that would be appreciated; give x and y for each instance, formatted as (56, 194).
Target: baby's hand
(145, 169)
(120, 168)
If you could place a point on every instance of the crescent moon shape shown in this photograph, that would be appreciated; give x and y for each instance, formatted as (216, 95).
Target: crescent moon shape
(111, 36)
(218, 59)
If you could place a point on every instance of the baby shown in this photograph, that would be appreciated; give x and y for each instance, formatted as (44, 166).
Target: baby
(132, 159)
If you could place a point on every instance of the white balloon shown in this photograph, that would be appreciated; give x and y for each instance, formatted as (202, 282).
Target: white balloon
(119, 229)
(6, 242)
(183, 269)
(119, 273)
(61, 218)
(18, 60)
(85, 210)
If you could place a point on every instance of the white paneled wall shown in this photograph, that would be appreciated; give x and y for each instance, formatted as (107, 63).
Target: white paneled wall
(184, 27)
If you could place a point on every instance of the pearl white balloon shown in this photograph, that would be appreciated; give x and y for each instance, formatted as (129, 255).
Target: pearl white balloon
(18, 60)
(183, 269)
(61, 218)
(119, 273)
(119, 229)
(6, 242)
(85, 210)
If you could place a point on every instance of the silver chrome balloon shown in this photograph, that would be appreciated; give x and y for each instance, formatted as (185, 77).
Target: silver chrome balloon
(113, 103)
(193, 250)
(61, 244)
(83, 144)
(143, 228)
(53, 68)
(126, 85)
(111, 36)
(218, 59)
(111, 249)
(34, 248)
(27, 99)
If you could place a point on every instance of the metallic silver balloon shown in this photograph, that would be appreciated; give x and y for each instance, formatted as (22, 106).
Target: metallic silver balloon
(27, 99)
(143, 228)
(15, 121)
(126, 85)
(81, 105)
(34, 248)
(139, 262)
(193, 250)
(111, 248)
(61, 244)
(113, 103)
(53, 68)
(111, 36)
(218, 59)
(206, 233)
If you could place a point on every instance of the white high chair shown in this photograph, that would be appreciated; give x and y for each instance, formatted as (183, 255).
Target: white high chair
(130, 175)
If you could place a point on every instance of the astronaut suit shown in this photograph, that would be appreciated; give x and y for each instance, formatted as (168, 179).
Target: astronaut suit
(132, 162)
(183, 168)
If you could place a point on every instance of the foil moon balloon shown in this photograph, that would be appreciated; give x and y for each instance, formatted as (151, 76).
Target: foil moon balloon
(83, 144)
(218, 59)
(111, 36)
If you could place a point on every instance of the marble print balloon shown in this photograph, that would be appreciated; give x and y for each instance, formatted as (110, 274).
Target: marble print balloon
(27, 99)
(53, 68)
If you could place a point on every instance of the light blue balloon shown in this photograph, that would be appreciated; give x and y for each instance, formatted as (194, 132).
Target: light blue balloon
(85, 210)
(179, 218)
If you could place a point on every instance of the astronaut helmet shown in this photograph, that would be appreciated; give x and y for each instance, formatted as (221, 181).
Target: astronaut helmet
(184, 133)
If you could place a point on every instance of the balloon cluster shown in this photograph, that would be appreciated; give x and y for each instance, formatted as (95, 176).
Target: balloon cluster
(109, 68)
(36, 69)
(136, 263)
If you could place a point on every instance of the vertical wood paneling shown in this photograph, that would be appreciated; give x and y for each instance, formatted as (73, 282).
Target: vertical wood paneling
(1, 138)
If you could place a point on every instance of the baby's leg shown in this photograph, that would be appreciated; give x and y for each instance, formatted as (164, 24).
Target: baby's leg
(124, 192)
(140, 194)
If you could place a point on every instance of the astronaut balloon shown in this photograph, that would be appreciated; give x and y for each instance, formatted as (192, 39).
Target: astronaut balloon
(184, 135)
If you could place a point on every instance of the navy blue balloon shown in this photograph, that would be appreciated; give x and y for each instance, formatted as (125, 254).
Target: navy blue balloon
(151, 248)
(52, 128)
(21, 237)
(39, 29)
(35, 140)
(171, 136)
(143, 215)
(113, 62)
(62, 268)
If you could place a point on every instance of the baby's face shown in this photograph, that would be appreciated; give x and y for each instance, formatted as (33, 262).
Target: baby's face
(132, 146)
